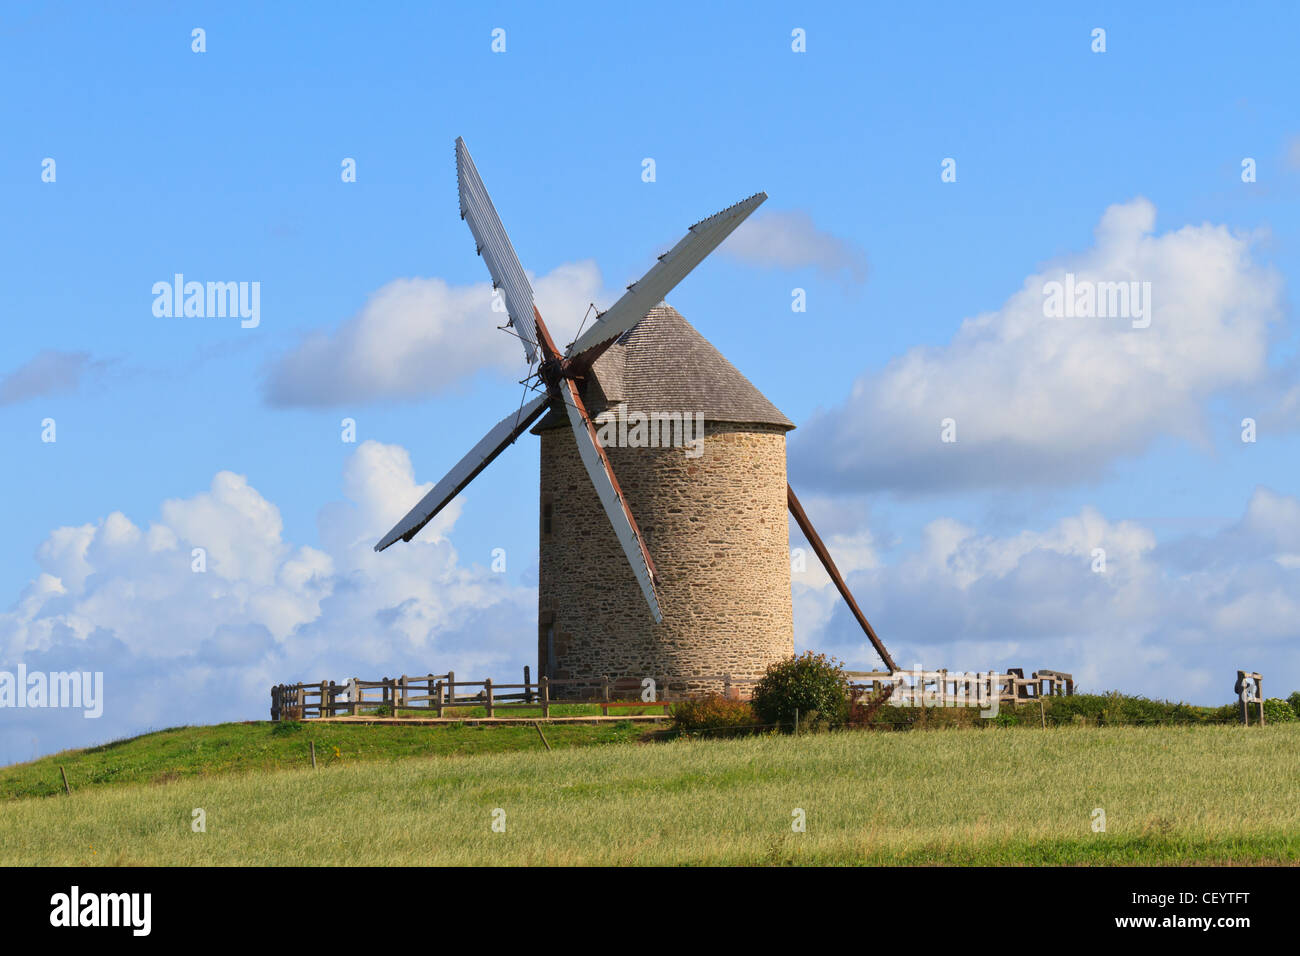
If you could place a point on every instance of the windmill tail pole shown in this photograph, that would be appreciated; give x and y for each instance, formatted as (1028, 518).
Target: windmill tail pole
(815, 540)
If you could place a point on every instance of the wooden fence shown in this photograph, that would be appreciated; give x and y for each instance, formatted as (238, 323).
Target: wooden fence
(437, 693)
(945, 688)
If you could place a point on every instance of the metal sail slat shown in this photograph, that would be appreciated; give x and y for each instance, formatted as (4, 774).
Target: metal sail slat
(612, 503)
(494, 246)
(480, 456)
(672, 267)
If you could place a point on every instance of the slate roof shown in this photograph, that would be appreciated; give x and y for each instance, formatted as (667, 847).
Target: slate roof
(662, 364)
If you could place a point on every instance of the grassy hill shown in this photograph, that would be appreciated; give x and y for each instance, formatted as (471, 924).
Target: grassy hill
(262, 747)
(1195, 794)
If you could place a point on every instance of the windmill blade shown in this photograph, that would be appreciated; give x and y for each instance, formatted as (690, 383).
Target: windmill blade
(672, 267)
(494, 246)
(480, 456)
(611, 496)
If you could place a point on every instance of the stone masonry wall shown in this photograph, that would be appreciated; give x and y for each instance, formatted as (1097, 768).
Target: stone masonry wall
(716, 528)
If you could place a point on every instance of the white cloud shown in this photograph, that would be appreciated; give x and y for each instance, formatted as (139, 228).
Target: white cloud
(1176, 619)
(179, 646)
(1038, 399)
(176, 646)
(791, 240)
(419, 337)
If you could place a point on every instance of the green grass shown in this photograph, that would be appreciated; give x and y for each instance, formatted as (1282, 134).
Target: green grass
(1173, 795)
(262, 746)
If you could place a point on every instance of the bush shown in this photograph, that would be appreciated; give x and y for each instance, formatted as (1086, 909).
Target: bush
(715, 715)
(812, 684)
(1277, 711)
(1294, 701)
(1116, 709)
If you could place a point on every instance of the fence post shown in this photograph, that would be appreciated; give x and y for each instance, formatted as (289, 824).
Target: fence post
(355, 696)
(437, 699)
(302, 703)
(405, 692)
(275, 701)
(451, 687)
(487, 688)
(320, 708)
(604, 707)
(528, 687)
(546, 696)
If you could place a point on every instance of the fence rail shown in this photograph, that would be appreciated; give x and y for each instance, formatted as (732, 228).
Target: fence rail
(944, 687)
(438, 693)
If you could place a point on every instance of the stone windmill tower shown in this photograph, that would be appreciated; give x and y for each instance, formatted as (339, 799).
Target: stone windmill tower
(682, 569)
(711, 507)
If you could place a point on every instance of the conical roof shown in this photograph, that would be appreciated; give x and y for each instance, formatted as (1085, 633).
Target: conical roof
(662, 364)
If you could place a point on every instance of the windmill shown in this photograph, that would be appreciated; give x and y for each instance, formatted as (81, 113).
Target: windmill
(562, 376)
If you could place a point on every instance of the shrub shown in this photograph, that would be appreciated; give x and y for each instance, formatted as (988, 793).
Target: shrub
(812, 684)
(1277, 711)
(715, 715)
(1116, 709)
(1294, 701)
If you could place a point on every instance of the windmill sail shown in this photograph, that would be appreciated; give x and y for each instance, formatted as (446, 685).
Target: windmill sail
(480, 456)
(672, 267)
(611, 499)
(494, 246)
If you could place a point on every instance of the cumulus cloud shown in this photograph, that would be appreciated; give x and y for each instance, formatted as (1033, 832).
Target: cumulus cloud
(1038, 399)
(50, 372)
(791, 240)
(1174, 619)
(120, 596)
(419, 337)
(178, 646)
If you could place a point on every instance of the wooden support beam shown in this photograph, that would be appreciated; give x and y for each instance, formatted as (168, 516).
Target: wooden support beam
(815, 540)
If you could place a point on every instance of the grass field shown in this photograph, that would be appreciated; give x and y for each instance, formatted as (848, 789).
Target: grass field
(1207, 794)
(261, 746)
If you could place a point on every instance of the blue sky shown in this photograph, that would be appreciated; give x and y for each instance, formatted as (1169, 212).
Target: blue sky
(225, 165)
